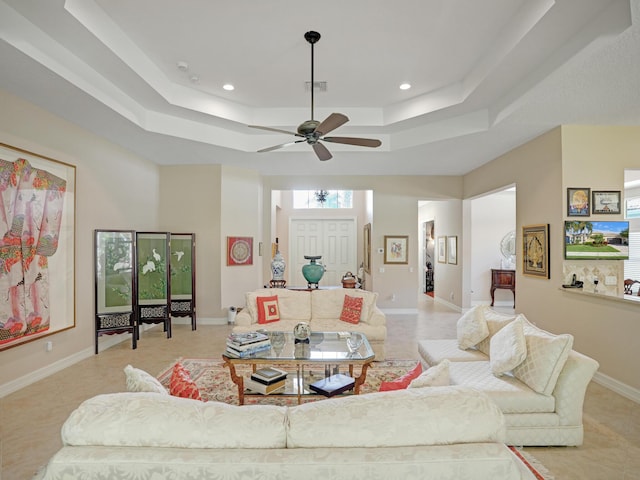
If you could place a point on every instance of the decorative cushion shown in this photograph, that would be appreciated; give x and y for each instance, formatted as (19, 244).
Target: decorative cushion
(181, 384)
(140, 381)
(495, 321)
(268, 310)
(351, 309)
(508, 347)
(436, 376)
(471, 328)
(402, 382)
(546, 356)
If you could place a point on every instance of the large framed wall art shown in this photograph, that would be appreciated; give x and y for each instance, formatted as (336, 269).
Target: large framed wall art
(183, 276)
(153, 279)
(115, 286)
(37, 246)
(535, 249)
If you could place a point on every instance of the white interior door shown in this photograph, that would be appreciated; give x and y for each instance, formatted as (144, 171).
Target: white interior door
(333, 239)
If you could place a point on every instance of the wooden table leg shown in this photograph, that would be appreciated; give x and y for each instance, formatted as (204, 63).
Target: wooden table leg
(360, 379)
(238, 380)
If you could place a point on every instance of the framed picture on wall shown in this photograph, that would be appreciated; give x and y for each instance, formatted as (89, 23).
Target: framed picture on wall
(452, 250)
(396, 249)
(578, 202)
(37, 263)
(442, 249)
(239, 251)
(607, 203)
(535, 250)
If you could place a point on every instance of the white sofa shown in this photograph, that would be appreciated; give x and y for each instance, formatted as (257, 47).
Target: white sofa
(542, 397)
(321, 309)
(435, 433)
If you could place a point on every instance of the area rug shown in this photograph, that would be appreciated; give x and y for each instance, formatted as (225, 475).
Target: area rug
(214, 382)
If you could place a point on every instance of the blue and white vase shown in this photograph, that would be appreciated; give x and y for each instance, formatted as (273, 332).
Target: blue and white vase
(277, 266)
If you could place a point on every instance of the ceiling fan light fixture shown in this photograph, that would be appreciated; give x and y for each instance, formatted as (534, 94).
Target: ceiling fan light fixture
(405, 86)
(228, 87)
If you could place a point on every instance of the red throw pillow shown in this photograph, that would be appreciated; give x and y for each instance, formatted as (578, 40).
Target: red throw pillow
(351, 309)
(181, 384)
(402, 382)
(268, 310)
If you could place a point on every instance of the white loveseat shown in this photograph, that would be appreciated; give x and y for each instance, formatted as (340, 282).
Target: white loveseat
(321, 309)
(542, 397)
(435, 433)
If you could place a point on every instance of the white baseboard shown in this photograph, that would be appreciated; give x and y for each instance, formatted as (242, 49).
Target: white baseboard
(399, 311)
(452, 306)
(615, 385)
(106, 341)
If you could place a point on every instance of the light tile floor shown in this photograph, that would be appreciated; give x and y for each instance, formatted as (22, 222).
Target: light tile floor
(30, 419)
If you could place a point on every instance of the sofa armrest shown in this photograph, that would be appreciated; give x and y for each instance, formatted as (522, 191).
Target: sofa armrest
(243, 318)
(377, 318)
(571, 387)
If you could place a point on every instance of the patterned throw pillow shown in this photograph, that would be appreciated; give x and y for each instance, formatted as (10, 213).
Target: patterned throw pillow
(351, 309)
(436, 376)
(140, 381)
(471, 328)
(181, 384)
(268, 310)
(508, 347)
(402, 382)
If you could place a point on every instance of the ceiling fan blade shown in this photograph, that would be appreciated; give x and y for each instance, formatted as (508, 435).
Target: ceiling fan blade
(322, 152)
(275, 130)
(361, 142)
(332, 122)
(277, 147)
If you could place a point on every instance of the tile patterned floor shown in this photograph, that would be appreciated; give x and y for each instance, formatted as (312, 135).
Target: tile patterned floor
(30, 419)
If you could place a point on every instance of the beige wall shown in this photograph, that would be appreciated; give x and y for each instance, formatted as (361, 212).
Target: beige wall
(571, 156)
(114, 190)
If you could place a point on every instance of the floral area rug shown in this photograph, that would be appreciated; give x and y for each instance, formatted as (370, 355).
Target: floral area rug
(214, 382)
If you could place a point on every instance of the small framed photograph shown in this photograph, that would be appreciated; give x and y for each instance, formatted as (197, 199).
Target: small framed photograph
(452, 250)
(606, 202)
(535, 249)
(578, 202)
(396, 249)
(442, 249)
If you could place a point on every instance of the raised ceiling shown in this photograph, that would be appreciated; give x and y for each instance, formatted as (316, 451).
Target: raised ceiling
(485, 76)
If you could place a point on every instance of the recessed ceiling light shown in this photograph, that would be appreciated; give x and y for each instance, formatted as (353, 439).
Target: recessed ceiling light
(228, 87)
(405, 86)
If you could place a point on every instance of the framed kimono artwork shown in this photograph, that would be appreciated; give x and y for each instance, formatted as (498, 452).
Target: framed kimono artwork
(37, 246)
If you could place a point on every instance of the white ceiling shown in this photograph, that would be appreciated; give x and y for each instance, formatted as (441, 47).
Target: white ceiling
(486, 76)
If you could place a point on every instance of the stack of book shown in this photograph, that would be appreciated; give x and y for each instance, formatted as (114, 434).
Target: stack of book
(333, 385)
(266, 380)
(241, 345)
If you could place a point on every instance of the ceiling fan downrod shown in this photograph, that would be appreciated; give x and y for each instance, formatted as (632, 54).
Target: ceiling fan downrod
(312, 37)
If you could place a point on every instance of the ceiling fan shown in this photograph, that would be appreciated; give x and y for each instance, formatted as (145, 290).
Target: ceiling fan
(313, 131)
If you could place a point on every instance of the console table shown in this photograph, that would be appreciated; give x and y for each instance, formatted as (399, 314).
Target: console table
(505, 279)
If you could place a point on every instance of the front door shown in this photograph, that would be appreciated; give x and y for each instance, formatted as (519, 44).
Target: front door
(333, 239)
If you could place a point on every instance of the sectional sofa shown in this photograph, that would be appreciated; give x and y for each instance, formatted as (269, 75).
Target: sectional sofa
(322, 309)
(534, 377)
(436, 433)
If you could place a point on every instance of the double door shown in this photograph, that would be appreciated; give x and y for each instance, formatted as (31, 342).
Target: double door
(334, 239)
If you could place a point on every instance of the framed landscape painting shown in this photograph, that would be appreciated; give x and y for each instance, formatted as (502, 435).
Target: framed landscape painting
(37, 246)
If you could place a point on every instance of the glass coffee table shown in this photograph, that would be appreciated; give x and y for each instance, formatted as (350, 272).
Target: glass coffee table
(324, 354)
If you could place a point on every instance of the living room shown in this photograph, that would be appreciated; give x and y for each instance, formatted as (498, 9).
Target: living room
(118, 188)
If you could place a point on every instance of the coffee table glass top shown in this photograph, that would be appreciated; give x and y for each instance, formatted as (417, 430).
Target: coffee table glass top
(322, 347)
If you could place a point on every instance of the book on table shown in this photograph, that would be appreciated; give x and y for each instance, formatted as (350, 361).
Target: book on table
(232, 352)
(247, 346)
(264, 389)
(333, 385)
(268, 375)
(247, 338)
